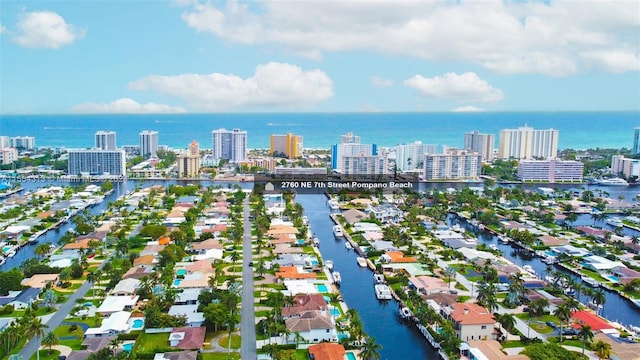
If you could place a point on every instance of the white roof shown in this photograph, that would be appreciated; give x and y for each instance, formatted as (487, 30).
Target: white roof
(188, 295)
(471, 254)
(190, 311)
(113, 304)
(116, 322)
(209, 254)
(128, 286)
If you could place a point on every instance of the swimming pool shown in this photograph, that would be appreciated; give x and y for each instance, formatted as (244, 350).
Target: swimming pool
(350, 356)
(177, 282)
(181, 272)
(127, 347)
(137, 324)
(342, 336)
(612, 278)
(334, 311)
(322, 288)
(6, 248)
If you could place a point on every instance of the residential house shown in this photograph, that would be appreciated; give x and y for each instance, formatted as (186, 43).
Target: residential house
(20, 299)
(313, 327)
(303, 303)
(188, 297)
(327, 351)
(147, 261)
(40, 281)
(428, 284)
(113, 304)
(385, 213)
(472, 321)
(187, 338)
(488, 349)
(397, 257)
(208, 249)
(454, 239)
(116, 323)
(178, 355)
(294, 272)
(600, 264)
(624, 274)
(138, 272)
(190, 312)
(125, 287)
(353, 216)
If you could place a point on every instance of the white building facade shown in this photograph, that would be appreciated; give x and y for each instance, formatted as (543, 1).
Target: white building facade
(455, 164)
(625, 167)
(97, 162)
(483, 144)
(22, 142)
(105, 140)
(230, 145)
(148, 143)
(553, 170)
(528, 143)
(8, 155)
(411, 156)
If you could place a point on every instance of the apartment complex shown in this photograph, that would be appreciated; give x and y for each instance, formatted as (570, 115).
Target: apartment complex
(148, 143)
(189, 162)
(350, 157)
(483, 144)
(97, 162)
(553, 170)
(230, 145)
(22, 142)
(528, 143)
(626, 167)
(289, 145)
(8, 155)
(636, 141)
(454, 164)
(105, 140)
(411, 156)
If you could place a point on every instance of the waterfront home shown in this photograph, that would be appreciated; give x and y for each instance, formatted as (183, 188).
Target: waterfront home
(20, 299)
(596, 322)
(74, 248)
(366, 227)
(410, 269)
(353, 216)
(624, 274)
(454, 239)
(571, 250)
(599, 263)
(281, 249)
(440, 299)
(327, 351)
(187, 338)
(125, 287)
(113, 304)
(432, 226)
(294, 272)
(395, 257)
(428, 284)
(489, 349)
(190, 312)
(385, 213)
(313, 327)
(116, 323)
(472, 321)
(282, 239)
(548, 240)
(63, 260)
(40, 281)
(303, 303)
(471, 255)
(383, 245)
(187, 297)
(304, 286)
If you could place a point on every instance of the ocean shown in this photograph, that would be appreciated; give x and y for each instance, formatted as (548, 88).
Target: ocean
(578, 130)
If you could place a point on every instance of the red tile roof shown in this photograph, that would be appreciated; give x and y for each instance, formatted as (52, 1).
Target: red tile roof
(193, 337)
(471, 314)
(327, 351)
(591, 319)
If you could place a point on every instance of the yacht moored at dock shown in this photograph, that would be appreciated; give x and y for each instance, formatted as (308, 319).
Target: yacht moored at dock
(329, 264)
(383, 292)
(611, 182)
(337, 231)
(348, 245)
(590, 281)
(405, 313)
(337, 279)
(378, 278)
(614, 221)
(361, 261)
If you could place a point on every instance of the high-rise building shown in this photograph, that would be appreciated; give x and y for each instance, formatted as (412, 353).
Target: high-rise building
(625, 167)
(8, 155)
(105, 140)
(349, 138)
(411, 156)
(553, 170)
(189, 162)
(454, 164)
(22, 142)
(289, 145)
(351, 157)
(4, 141)
(230, 145)
(527, 143)
(97, 162)
(483, 144)
(636, 141)
(148, 143)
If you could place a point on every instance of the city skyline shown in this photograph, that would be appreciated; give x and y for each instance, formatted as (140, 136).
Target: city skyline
(258, 57)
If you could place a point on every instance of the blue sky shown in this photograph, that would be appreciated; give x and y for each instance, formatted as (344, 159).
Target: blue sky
(324, 56)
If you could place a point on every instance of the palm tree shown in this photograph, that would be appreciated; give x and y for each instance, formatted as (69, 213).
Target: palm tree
(585, 334)
(370, 349)
(599, 298)
(507, 321)
(36, 328)
(50, 340)
(602, 349)
(563, 313)
(42, 249)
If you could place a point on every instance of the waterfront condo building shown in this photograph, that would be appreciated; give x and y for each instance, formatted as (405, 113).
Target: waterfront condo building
(454, 164)
(411, 156)
(4, 141)
(230, 145)
(527, 143)
(105, 140)
(289, 145)
(97, 162)
(189, 162)
(625, 167)
(552, 171)
(350, 157)
(483, 144)
(8, 155)
(148, 143)
(22, 142)
(636, 141)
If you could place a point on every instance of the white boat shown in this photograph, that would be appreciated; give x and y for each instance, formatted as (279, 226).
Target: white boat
(457, 228)
(378, 278)
(529, 269)
(503, 239)
(361, 261)
(549, 260)
(2, 260)
(590, 281)
(337, 231)
(614, 221)
(337, 279)
(405, 313)
(592, 305)
(348, 245)
(334, 204)
(636, 302)
(329, 265)
(11, 253)
(612, 182)
(493, 247)
(383, 292)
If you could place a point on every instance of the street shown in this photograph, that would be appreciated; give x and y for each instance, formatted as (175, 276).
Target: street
(247, 320)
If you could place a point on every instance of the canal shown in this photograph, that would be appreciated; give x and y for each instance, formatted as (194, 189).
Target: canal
(399, 340)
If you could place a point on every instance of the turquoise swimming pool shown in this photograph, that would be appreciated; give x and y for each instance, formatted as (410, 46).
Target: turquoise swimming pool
(181, 272)
(334, 311)
(322, 288)
(177, 282)
(128, 346)
(137, 324)
(350, 356)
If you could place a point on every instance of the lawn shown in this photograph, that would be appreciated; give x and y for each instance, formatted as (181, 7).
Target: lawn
(220, 356)
(210, 335)
(72, 339)
(513, 344)
(45, 355)
(235, 341)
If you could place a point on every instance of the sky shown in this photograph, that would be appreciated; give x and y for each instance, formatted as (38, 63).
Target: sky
(100, 56)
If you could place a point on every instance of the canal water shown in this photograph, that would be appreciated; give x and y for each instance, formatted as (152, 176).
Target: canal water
(400, 340)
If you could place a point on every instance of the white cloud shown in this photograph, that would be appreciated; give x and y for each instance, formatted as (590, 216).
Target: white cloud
(272, 85)
(381, 82)
(126, 106)
(45, 29)
(3, 29)
(509, 37)
(467, 87)
(467, 108)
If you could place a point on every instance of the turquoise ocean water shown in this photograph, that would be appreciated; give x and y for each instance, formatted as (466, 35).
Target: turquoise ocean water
(578, 130)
